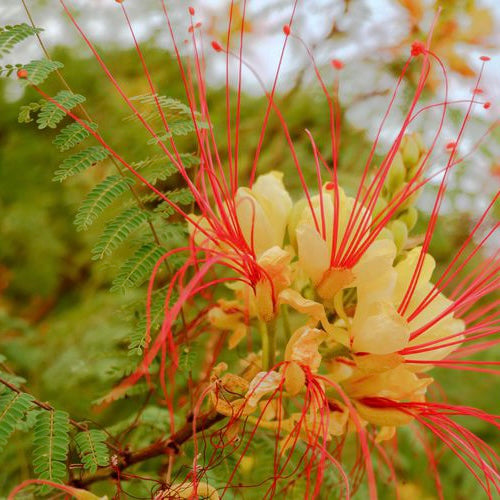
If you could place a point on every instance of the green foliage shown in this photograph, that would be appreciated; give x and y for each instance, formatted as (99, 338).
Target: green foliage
(13, 407)
(137, 269)
(12, 35)
(51, 115)
(160, 168)
(8, 69)
(39, 71)
(72, 134)
(79, 162)
(117, 230)
(26, 111)
(99, 198)
(92, 448)
(50, 446)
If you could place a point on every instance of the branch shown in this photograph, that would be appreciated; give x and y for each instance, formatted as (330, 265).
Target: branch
(170, 446)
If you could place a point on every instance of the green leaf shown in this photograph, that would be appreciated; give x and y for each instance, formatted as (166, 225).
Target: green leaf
(13, 407)
(160, 168)
(8, 69)
(12, 35)
(79, 162)
(182, 196)
(138, 268)
(117, 230)
(100, 198)
(51, 115)
(50, 446)
(72, 134)
(25, 111)
(39, 70)
(92, 449)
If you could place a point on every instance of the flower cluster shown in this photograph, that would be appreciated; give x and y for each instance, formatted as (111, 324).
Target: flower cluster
(349, 314)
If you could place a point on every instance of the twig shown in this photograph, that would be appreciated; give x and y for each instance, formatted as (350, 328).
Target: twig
(169, 446)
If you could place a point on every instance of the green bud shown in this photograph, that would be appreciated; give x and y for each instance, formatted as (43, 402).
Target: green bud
(411, 151)
(385, 234)
(379, 206)
(400, 233)
(397, 173)
(409, 217)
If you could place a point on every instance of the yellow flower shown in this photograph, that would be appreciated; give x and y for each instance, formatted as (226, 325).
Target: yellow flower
(313, 233)
(262, 212)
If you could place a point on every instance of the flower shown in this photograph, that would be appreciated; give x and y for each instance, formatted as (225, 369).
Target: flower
(341, 268)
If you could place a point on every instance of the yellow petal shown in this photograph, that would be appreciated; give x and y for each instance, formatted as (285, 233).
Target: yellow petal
(263, 383)
(383, 416)
(295, 379)
(303, 347)
(379, 329)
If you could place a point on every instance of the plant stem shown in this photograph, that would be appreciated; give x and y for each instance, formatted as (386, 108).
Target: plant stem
(268, 336)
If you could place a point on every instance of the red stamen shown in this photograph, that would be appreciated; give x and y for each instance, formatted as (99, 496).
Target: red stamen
(191, 11)
(286, 30)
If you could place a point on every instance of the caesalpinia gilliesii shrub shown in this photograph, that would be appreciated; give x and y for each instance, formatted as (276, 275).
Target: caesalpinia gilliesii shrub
(337, 307)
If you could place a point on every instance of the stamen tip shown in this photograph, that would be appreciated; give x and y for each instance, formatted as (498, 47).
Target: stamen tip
(191, 11)
(286, 30)
(337, 64)
(216, 46)
(417, 48)
(22, 73)
(485, 58)
(487, 105)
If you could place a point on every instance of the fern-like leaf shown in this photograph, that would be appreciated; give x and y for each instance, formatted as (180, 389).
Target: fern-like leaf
(51, 115)
(13, 407)
(79, 162)
(93, 450)
(159, 168)
(100, 198)
(183, 127)
(12, 35)
(117, 230)
(8, 69)
(50, 446)
(182, 196)
(26, 110)
(39, 70)
(71, 135)
(136, 269)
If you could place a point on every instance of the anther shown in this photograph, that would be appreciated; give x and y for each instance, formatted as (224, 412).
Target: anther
(216, 46)
(417, 48)
(22, 73)
(286, 29)
(337, 64)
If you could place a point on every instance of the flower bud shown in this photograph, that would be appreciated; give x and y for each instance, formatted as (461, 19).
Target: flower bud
(400, 233)
(409, 217)
(397, 173)
(411, 150)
